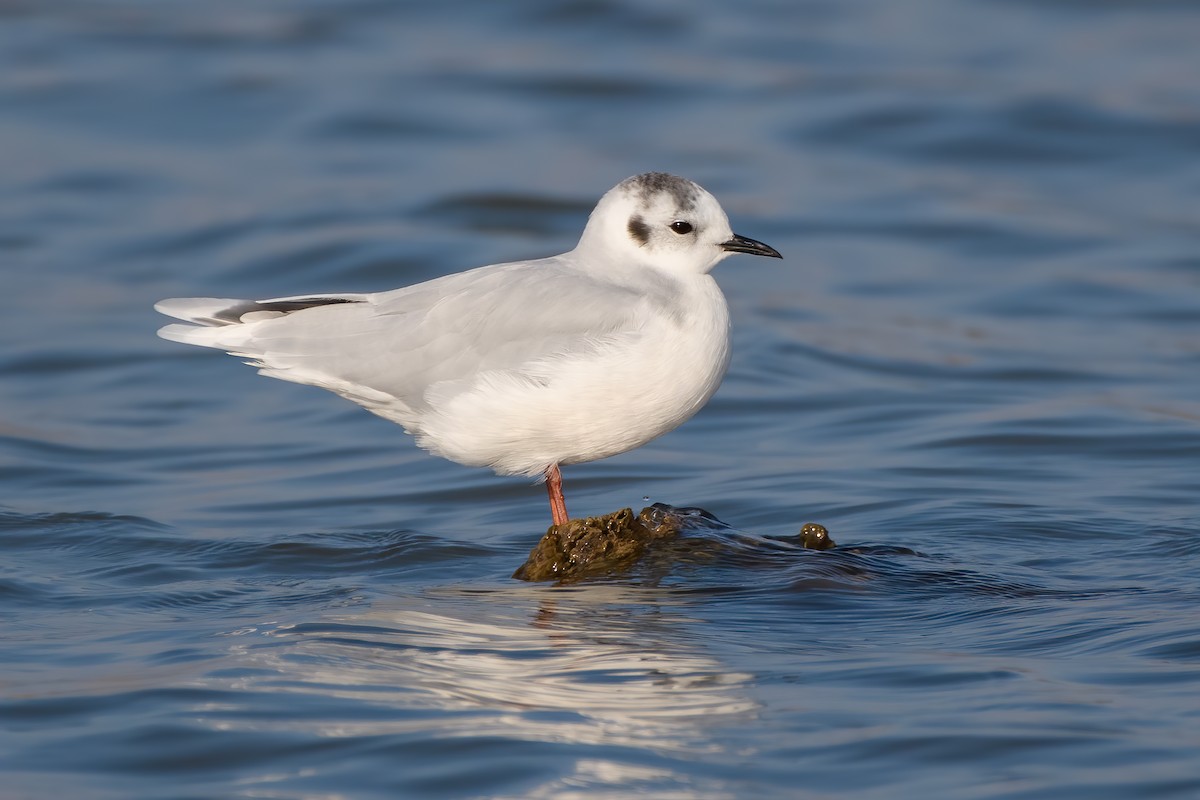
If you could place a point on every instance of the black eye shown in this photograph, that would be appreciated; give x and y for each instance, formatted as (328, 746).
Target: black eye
(679, 226)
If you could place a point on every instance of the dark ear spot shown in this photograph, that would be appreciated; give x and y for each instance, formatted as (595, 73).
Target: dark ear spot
(639, 230)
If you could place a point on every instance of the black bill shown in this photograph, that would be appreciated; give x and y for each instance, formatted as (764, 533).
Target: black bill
(740, 244)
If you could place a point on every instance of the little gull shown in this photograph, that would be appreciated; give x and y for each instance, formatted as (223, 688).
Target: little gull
(521, 367)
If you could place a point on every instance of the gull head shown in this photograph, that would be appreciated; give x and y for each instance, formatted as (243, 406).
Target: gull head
(666, 222)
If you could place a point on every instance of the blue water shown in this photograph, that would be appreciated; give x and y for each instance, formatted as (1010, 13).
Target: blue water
(978, 366)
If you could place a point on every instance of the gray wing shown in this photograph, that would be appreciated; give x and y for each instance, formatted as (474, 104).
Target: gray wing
(441, 333)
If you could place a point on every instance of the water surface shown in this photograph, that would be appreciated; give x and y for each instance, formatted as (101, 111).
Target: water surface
(978, 366)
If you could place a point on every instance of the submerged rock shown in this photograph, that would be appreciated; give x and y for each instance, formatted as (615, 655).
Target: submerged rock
(614, 543)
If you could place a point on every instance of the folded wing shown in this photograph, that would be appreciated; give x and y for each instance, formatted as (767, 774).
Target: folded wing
(396, 352)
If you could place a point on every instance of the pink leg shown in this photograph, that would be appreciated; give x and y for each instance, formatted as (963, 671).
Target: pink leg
(558, 503)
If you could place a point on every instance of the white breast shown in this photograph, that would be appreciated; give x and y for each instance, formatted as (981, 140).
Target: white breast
(612, 394)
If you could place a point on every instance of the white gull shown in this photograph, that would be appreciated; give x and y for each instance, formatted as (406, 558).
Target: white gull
(526, 366)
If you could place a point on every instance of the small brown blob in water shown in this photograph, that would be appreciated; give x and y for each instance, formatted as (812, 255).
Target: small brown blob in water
(815, 537)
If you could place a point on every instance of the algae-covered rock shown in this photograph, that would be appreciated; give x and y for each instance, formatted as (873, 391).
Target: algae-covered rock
(597, 545)
(663, 535)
